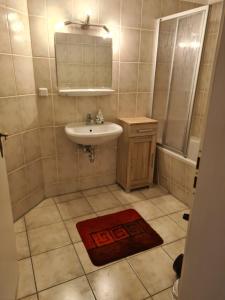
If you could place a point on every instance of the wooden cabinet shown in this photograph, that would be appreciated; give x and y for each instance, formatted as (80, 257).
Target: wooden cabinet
(136, 152)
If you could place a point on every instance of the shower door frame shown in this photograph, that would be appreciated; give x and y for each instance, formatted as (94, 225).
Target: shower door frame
(177, 16)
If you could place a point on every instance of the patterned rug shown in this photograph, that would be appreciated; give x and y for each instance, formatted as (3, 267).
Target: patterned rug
(115, 236)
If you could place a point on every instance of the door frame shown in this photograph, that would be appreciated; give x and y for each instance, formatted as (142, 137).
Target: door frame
(204, 267)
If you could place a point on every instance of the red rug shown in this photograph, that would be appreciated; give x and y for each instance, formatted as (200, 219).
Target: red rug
(115, 236)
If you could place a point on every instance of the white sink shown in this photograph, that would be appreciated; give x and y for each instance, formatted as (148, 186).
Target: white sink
(83, 134)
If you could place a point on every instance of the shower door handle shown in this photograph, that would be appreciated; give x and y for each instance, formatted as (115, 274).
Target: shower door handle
(2, 135)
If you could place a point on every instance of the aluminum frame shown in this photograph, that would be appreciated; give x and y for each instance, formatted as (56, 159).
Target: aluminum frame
(179, 16)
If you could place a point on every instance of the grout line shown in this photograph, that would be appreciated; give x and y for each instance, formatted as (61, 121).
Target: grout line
(119, 60)
(129, 257)
(58, 284)
(35, 282)
(25, 298)
(178, 224)
(52, 96)
(41, 226)
(72, 98)
(23, 131)
(76, 252)
(123, 205)
(26, 164)
(139, 60)
(53, 249)
(17, 96)
(61, 221)
(36, 16)
(169, 244)
(162, 291)
(73, 244)
(25, 13)
(137, 275)
(16, 55)
(157, 247)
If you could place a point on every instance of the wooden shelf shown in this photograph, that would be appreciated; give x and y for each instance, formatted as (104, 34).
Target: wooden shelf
(139, 120)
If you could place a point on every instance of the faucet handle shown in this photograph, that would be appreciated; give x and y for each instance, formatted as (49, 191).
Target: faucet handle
(89, 119)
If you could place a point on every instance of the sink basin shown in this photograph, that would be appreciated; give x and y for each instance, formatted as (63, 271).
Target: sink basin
(83, 134)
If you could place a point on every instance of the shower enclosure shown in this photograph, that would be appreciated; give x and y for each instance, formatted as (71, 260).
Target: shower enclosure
(180, 40)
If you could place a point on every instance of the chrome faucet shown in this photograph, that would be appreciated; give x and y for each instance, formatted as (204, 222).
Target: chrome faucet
(89, 119)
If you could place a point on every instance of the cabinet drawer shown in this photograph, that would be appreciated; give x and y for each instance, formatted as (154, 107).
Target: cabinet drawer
(142, 130)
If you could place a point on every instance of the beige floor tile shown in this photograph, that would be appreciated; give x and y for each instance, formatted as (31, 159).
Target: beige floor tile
(95, 191)
(178, 218)
(72, 228)
(19, 226)
(110, 211)
(147, 210)
(84, 258)
(155, 270)
(77, 289)
(42, 216)
(175, 249)
(33, 297)
(26, 285)
(153, 192)
(127, 198)
(103, 201)
(56, 266)
(117, 282)
(168, 204)
(22, 245)
(165, 295)
(47, 238)
(75, 208)
(167, 229)
(114, 187)
(46, 202)
(67, 197)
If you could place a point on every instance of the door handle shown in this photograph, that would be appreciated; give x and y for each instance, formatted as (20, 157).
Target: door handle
(2, 135)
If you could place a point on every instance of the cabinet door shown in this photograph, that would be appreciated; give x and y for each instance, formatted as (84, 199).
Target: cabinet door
(141, 156)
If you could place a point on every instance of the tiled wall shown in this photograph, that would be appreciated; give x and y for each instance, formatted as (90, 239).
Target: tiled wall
(18, 107)
(36, 124)
(176, 174)
(206, 68)
(66, 167)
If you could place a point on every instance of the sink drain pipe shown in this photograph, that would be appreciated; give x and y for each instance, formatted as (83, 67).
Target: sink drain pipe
(90, 149)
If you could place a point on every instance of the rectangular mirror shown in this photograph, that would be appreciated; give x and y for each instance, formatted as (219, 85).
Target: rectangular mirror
(84, 63)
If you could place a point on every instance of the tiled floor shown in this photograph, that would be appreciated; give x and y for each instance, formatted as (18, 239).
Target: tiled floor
(53, 262)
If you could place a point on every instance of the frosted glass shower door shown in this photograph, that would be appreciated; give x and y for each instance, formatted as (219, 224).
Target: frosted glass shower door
(164, 65)
(178, 58)
(186, 58)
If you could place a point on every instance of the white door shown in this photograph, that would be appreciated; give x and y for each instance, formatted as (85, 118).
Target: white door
(8, 262)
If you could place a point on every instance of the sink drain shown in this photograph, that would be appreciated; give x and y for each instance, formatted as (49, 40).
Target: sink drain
(90, 149)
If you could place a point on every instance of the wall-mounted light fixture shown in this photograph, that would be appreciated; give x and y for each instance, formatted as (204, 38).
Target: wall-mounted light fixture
(86, 25)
